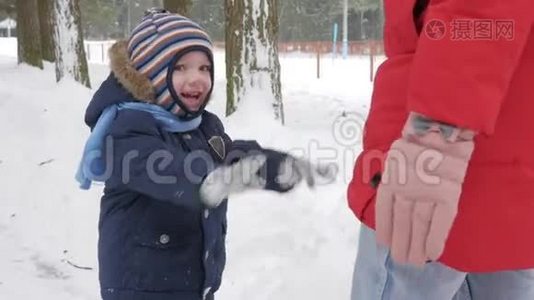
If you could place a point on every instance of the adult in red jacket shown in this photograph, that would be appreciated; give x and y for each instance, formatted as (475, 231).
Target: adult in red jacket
(465, 65)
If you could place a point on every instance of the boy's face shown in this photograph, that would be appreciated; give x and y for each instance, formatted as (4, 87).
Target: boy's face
(191, 79)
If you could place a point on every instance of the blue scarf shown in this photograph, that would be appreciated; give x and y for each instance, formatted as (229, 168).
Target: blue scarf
(93, 164)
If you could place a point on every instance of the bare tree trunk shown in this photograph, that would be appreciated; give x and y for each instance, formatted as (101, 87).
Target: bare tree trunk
(46, 24)
(272, 22)
(70, 52)
(29, 43)
(252, 52)
(182, 7)
(234, 44)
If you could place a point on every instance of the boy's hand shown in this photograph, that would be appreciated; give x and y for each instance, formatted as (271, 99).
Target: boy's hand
(292, 171)
(271, 170)
(232, 179)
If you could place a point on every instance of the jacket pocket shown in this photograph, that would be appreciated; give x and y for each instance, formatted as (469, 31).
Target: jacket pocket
(167, 261)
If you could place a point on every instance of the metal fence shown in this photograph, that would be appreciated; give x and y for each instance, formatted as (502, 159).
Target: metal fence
(97, 51)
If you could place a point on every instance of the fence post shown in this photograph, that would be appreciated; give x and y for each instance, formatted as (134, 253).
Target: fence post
(88, 51)
(317, 49)
(334, 42)
(103, 58)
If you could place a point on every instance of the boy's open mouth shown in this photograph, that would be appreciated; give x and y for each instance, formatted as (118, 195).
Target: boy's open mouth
(193, 100)
(191, 95)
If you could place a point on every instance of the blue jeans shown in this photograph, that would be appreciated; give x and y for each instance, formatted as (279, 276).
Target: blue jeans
(377, 277)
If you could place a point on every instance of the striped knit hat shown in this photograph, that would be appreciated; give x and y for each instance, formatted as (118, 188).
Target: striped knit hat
(156, 44)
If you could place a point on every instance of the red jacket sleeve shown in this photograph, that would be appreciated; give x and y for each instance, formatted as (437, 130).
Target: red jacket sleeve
(462, 76)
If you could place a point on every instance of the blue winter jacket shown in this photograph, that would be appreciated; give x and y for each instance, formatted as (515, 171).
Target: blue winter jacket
(156, 240)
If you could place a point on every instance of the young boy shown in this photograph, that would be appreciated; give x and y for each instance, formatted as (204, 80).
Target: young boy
(168, 165)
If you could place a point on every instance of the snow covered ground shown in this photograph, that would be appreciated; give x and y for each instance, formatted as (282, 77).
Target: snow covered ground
(298, 246)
